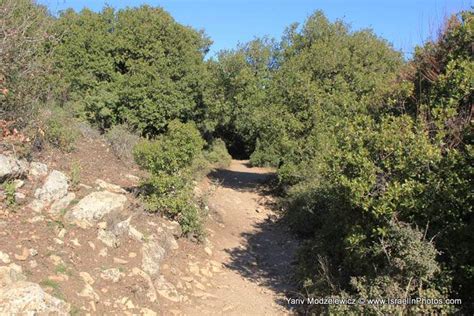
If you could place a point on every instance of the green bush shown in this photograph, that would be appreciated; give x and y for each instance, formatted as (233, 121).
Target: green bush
(136, 66)
(9, 189)
(170, 159)
(60, 130)
(217, 154)
(171, 152)
(25, 61)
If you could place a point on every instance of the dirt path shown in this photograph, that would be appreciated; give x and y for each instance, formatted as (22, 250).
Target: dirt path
(245, 239)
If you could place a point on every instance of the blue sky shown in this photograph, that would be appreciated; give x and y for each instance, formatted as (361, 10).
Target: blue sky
(404, 23)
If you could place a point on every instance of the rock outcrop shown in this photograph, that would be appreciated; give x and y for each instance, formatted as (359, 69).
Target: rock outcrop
(19, 297)
(11, 167)
(54, 188)
(94, 207)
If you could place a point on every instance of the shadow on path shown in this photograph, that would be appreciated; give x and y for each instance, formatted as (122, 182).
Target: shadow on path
(266, 257)
(240, 180)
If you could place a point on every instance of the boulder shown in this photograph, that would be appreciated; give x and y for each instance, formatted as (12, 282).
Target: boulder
(60, 205)
(11, 167)
(167, 289)
(108, 238)
(19, 297)
(166, 239)
(94, 207)
(109, 186)
(26, 298)
(10, 274)
(54, 188)
(152, 255)
(38, 170)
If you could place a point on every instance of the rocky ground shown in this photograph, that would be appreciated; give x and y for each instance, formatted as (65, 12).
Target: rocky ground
(83, 244)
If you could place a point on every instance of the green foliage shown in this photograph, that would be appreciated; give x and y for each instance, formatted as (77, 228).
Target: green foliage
(60, 130)
(122, 142)
(25, 34)
(368, 150)
(9, 189)
(170, 159)
(135, 66)
(75, 175)
(172, 152)
(237, 93)
(217, 154)
(374, 154)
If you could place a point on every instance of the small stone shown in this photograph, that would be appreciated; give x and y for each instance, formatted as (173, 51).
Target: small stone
(58, 241)
(75, 242)
(33, 252)
(19, 197)
(85, 186)
(194, 269)
(167, 290)
(62, 233)
(147, 312)
(18, 183)
(89, 292)
(4, 257)
(208, 251)
(109, 186)
(132, 177)
(59, 278)
(108, 238)
(132, 255)
(199, 285)
(33, 264)
(86, 277)
(130, 304)
(103, 252)
(135, 233)
(91, 244)
(102, 225)
(206, 272)
(120, 261)
(151, 294)
(112, 274)
(23, 256)
(36, 219)
(56, 260)
(228, 308)
(37, 206)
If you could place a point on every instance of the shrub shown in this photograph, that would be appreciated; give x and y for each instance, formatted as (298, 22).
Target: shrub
(217, 154)
(75, 175)
(135, 65)
(122, 142)
(169, 159)
(24, 59)
(10, 189)
(171, 152)
(368, 151)
(60, 130)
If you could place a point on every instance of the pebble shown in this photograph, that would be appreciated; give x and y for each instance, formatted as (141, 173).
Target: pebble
(208, 251)
(24, 255)
(121, 261)
(4, 257)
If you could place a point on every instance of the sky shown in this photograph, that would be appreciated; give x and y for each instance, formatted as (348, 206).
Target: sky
(404, 23)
